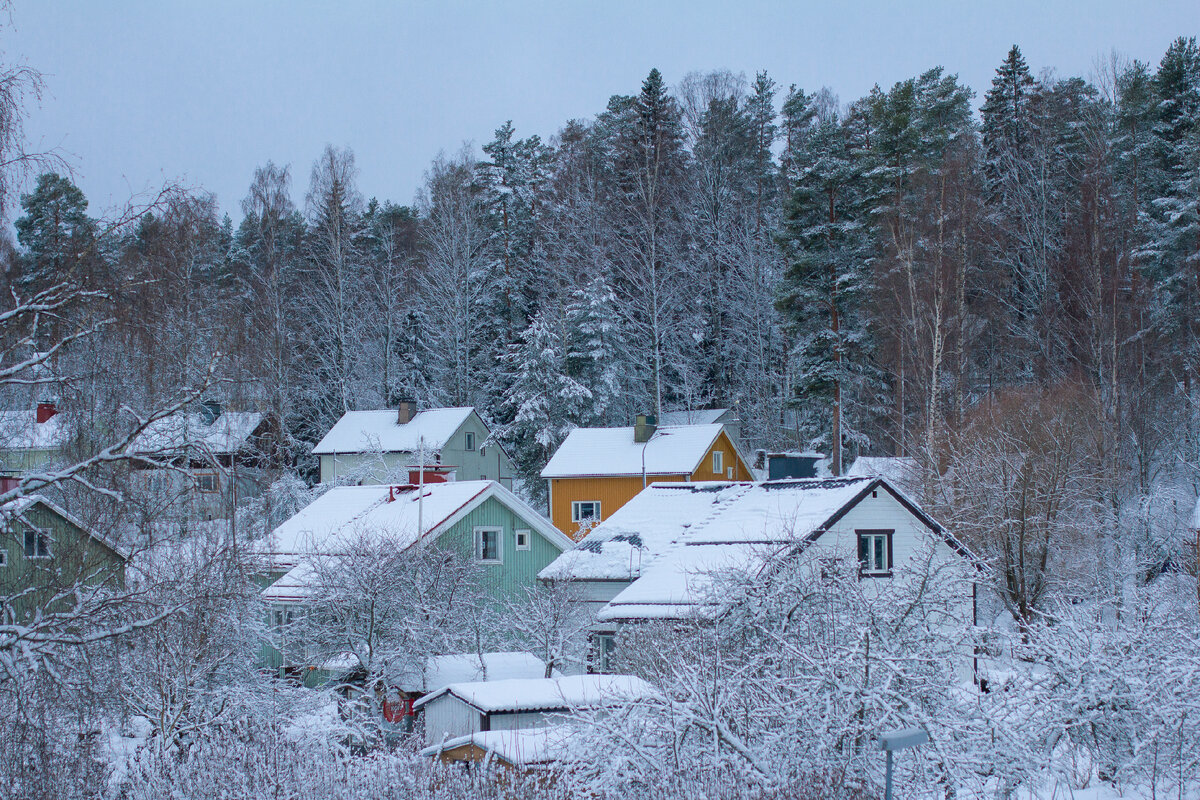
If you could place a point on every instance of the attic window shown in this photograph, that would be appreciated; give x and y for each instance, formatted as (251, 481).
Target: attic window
(522, 540)
(470, 440)
(37, 544)
(718, 461)
(487, 545)
(875, 554)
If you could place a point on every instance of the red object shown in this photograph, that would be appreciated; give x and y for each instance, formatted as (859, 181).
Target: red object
(8, 483)
(398, 709)
(432, 475)
(45, 411)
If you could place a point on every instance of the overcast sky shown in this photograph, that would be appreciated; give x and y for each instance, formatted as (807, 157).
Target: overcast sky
(140, 91)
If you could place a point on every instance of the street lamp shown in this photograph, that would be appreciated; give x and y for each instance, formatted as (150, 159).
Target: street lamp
(899, 740)
(648, 441)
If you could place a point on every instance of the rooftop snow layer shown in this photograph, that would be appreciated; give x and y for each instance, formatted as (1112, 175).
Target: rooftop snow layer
(519, 747)
(468, 667)
(227, 434)
(20, 430)
(368, 431)
(331, 522)
(673, 450)
(699, 416)
(898, 470)
(548, 694)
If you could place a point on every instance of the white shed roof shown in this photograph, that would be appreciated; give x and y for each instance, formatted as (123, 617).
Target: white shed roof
(673, 450)
(698, 416)
(547, 694)
(20, 430)
(368, 431)
(228, 433)
(519, 747)
(469, 667)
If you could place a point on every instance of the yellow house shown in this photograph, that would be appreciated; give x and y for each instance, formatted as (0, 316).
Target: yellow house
(598, 470)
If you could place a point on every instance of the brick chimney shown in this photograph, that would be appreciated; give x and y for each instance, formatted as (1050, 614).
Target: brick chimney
(46, 410)
(644, 428)
(406, 409)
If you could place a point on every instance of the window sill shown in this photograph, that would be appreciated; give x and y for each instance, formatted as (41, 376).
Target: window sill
(887, 574)
(489, 561)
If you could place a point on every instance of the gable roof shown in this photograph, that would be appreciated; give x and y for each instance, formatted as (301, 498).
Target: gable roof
(546, 694)
(332, 522)
(187, 430)
(367, 431)
(671, 539)
(673, 450)
(17, 508)
(20, 430)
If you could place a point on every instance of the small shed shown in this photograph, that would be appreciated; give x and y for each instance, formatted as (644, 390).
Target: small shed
(522, 749)
(463, 709)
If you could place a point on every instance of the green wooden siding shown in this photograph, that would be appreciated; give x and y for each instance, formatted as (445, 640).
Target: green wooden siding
(74, 557)
(518, 568)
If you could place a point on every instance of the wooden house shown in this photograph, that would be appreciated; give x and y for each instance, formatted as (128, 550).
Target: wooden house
(44, 552)
(31, 439)
(479, 520)
(598, 470)
(202, 463)
(377, 447)
(658, 557)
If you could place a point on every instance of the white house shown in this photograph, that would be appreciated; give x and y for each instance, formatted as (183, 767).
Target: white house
(463, 709)
(659, 556)
(378, 446)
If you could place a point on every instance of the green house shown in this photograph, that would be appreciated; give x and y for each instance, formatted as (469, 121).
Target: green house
(478, 520)
(44, 552)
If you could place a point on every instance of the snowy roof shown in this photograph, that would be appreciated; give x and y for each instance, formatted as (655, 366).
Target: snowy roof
(673, 450)
(900, 470)
(332, 523)
(468, 667)
(17, 507)
(362, 431)
(20, 430)
(547, 694)
(519, 747)
(228, 433)
(698, 416)
(739, 527)
(666, 516)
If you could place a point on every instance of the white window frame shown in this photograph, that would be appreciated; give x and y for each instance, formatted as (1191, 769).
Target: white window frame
(575, 511)
(718, 461)
(480, 530)
(867, 567)
(469, 444)
(527, 535)
(216, 482)
(40, 538)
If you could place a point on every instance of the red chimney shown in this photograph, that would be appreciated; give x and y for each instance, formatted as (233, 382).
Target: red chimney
(432, 475)
(45, 411)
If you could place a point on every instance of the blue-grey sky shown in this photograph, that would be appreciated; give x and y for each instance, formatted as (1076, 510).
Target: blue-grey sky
(140, 91)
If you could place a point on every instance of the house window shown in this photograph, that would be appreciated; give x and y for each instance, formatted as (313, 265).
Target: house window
(487, 545)
(603, 648)
(585, 511)
(522, 540)
(37, 544)
(875, 553)
(206, 481)
(718, 461)
(470, 440)
(3, 558)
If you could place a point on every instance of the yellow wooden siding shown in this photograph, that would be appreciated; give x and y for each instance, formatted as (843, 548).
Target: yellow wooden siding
(612, 492)
(731, 458)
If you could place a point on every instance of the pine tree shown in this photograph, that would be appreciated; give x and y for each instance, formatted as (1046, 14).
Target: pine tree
(56, 232)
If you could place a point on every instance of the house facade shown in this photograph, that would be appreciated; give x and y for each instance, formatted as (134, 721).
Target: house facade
(480, 521)
(660, 556)
(377, 447)
(201, 463)
(30, 440)
(596, 471)
(45, 551)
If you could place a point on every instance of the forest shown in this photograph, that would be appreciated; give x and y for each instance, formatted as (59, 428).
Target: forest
(1004, 288)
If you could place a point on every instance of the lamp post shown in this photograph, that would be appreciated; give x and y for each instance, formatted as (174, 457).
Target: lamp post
(648, 441)
(898, 740)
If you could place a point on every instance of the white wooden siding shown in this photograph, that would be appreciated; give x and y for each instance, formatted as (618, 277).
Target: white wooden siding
(448, 717)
